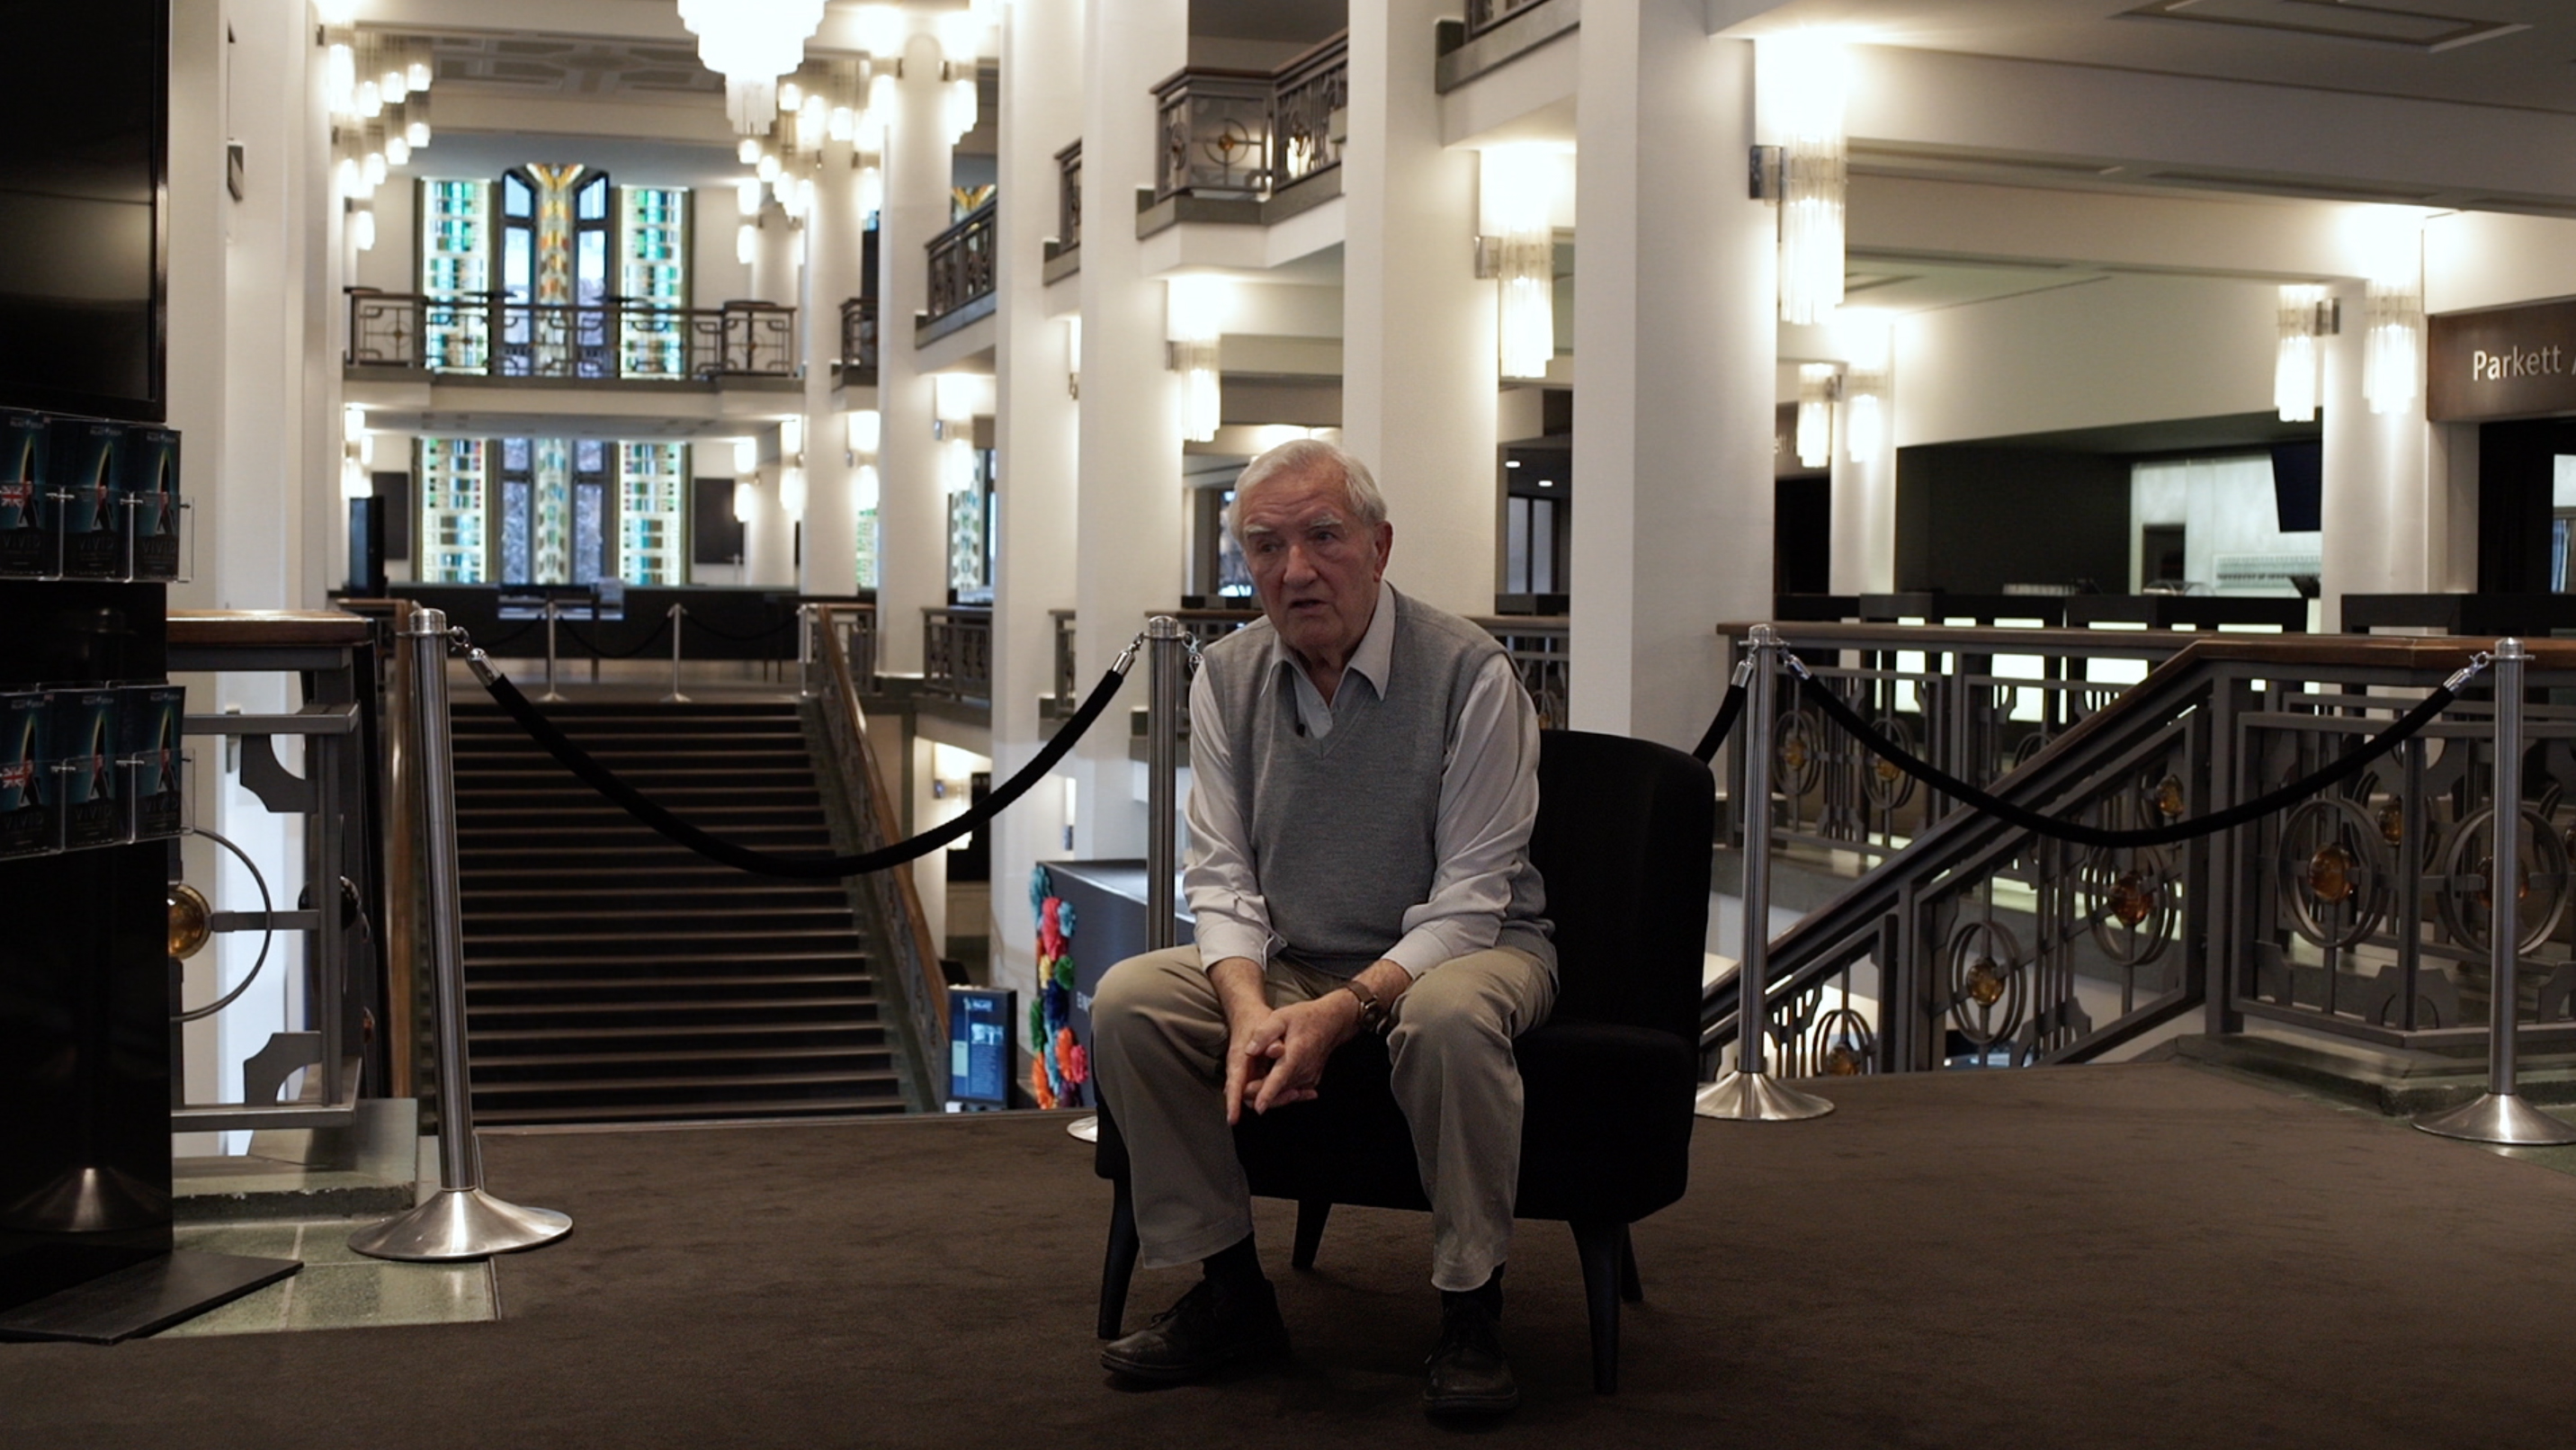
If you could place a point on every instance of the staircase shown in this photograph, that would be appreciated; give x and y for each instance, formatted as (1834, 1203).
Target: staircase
(612, 976)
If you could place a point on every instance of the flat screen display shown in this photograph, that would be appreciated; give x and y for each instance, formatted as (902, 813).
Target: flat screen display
(81, 206)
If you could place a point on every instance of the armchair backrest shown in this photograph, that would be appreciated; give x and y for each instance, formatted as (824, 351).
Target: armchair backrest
(1623, 842)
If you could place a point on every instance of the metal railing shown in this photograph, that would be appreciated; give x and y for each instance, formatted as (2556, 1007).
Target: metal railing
(490, 337)
(1539, 647)
(858, 360)
(1068, 198)
(1975, 701)
(1248, 134)
(1484, 15)
(957, 651)
(2358, 913)
(1068, 684)
(961, 263)
(836, 683)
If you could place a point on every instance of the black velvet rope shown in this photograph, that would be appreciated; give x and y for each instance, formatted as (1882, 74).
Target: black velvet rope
(802, 868)
(1729, 710)
(2237, 815)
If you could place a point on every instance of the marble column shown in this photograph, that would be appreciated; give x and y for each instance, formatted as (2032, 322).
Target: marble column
(912, 509)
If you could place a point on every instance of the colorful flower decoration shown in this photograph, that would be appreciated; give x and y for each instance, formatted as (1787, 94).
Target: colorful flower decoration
(1058, 1066)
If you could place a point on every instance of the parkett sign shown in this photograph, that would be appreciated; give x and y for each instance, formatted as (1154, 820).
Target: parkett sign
(2515, 362)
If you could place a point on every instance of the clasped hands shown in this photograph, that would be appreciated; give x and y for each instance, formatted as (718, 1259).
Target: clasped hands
(1274, 1056)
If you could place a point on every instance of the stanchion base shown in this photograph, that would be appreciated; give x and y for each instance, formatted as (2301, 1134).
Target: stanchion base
(675, 698)
(460, 1223)
(2500, 1118)
(1086, 1127)
(1757, 1098)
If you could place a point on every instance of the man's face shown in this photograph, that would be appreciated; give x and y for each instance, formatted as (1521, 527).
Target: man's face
(1315, 566)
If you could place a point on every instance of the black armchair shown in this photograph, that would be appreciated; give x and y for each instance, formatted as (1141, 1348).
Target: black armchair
(1623, 842)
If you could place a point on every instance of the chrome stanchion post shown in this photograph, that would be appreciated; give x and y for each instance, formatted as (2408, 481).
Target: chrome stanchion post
(1748, 1094)
(806, 616)
(552, 695)
(460, 1221)
(2500, 1115)
(679, 614)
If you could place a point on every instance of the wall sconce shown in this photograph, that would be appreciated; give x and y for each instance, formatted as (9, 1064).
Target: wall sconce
(1867, 339)
(952, 405)
(1516, 195)
(2306, 314)
(746, 498)
(862, 431)
(746, 457)
(1816, 413)
(416, 118)
(963, 107)
(362, 226)
(957, 463)
(791, 493)
(1194, 318)
(1808, 176)
(357, 453)
(791, 439)
(2392, 321)
(866, 489)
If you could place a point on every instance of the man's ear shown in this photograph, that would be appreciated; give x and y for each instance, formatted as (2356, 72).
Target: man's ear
(1385, 545)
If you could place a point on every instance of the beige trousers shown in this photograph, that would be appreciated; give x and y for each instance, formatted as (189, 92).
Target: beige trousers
(1158, 1051)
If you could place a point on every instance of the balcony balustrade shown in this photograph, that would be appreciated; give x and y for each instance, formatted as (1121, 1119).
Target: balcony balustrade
(1068, 199)
(957, 651)
(1247, 135)
(1484, 15)
(610, 341)
(858, 365)
(961, 269)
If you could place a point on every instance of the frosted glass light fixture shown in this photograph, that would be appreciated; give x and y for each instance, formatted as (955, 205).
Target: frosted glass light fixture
(746, 499)
(791, 96)
(865, 489)
(747, 151)
(362, 229)
(964, 108)
(746, 457)
(766, 168)
(2391, 360)
(791, 493)
(746, 197)
(397, 149)
(2303, 319)
(1517, 186)
(340, 76)
(866, 430)
(416, 118)
(1811, 76)
(1816, 414)
(1868, 341)
(1194, 318)
(746, 244)
(751, 43)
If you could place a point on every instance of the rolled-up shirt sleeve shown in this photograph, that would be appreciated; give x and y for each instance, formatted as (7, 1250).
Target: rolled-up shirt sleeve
(1232, 918)
(1488, 803)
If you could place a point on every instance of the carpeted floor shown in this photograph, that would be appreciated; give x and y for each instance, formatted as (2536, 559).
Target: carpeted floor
(2135, 1256)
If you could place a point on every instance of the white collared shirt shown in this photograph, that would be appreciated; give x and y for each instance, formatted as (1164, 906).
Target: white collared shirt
(1488, 802)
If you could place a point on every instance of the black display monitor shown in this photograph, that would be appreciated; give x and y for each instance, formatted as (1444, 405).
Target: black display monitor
(83, 207)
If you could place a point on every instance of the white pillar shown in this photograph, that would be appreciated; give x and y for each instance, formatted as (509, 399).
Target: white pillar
(912, 509)
(2392, 512)
(1674, 370)
(1037, 433)
(770, 549)
(835, 248)
(1419, 382)
(1129, 521)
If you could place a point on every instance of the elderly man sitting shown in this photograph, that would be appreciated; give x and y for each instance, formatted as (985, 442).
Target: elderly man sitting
(1364, 780)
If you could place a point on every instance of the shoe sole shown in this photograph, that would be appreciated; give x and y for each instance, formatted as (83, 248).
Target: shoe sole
(1183, 1374)
(1471, 1404)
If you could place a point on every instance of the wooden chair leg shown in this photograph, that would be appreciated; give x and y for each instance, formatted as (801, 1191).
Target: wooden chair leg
(1311, 1213)
(1631, 1288)
(1598, 1246)
(1120, 1268)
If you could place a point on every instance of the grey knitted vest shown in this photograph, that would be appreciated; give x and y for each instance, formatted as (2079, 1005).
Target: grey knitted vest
(1343, 829)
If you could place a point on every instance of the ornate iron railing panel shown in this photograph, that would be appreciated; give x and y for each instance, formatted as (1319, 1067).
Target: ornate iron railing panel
(1246, 134)
(858, 340)
(2358, 913)
(1068, 684)
(1484, 15)
(1068, 198)
(626, 341)
(957, 651)
(961, 263)
(1539, 648)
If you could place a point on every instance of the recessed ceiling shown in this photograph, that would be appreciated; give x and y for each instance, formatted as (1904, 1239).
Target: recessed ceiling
(584, 67)
(2476, 52)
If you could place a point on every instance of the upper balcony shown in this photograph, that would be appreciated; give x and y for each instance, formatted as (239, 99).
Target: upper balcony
(616, 343)
(1251, 147)
(961, 276)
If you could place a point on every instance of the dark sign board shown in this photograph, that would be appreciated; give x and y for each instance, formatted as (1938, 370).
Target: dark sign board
(2514, 362)
(979, 1045)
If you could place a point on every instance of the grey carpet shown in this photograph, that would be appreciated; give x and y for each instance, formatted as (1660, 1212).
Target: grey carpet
(2138, 1255)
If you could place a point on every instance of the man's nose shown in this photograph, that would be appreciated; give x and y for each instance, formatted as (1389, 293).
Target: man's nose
(1301, 565)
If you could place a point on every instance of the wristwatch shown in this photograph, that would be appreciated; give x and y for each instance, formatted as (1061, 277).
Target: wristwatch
(1373, 1013)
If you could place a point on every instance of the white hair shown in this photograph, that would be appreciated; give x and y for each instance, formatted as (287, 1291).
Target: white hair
(1297, 457)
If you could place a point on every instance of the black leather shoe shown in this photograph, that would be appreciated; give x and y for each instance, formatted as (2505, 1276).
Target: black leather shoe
(1467, 1374)
(1210, 1327)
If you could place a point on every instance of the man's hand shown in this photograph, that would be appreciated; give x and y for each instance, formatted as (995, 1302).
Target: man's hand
(1292, 1045)
(1246, 1000)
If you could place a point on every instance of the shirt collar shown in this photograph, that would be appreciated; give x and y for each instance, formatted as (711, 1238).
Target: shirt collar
(1375, 657)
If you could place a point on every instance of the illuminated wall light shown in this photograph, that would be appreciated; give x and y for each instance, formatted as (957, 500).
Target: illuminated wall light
(1517, 185)
(340, 78)
(964, 108)
(791, 493)
(394, 84)
(746, 244)
(362, 229)
(353, 422)
(347, 176)
(766, 167)
(1867, 341)
(2294, 369)
(747, 151)
(751, 45)
(397, 149)
(375, 170)
(955, 399)
(2393, 324)
(336, 13)
(355, 481)
(371, 100)
(957, 466)
(871, 189)
(865, 430)
(804, 196)
(813, 120)
(843, 123)
(420, 73)
(1811, 76)
(791, 438)
(746, 197)
(1816, 414)
(746, 499)
(866, 488)
(791, 96)
(746, 457)
(1194, 319)
(792, 195)
(416, 128)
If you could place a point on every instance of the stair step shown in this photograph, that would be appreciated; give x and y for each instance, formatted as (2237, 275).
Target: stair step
(506, 1037)
(816, 1107)
(630, 1086)
(477, 962)
(856, 1056)
(665, 1008)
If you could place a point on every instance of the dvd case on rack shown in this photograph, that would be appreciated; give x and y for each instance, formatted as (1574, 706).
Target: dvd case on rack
(81, 462)
(147, 503)
(150, 717)
(29, 821)
(26, 515)
(85, 740)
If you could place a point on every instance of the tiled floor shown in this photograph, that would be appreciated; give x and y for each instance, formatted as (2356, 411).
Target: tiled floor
(338, 1289)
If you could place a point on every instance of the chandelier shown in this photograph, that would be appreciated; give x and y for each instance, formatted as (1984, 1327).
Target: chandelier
(751, 43)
